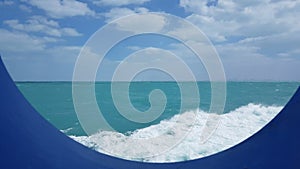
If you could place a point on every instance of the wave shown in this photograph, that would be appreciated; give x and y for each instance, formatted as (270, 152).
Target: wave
(233, 128)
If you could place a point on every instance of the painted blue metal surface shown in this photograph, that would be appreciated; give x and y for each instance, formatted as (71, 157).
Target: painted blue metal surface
(29, 142)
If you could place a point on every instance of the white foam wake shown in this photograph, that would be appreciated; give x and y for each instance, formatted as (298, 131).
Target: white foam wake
(233, 128)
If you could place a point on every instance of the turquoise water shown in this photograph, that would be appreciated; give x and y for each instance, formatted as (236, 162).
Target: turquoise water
(254, 103)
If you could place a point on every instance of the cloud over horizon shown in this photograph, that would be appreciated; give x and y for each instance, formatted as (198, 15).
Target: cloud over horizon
(256, 40)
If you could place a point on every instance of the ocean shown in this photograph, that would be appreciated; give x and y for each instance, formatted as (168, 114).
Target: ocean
(249, 106)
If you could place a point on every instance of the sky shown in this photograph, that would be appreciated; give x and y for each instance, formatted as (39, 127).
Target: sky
(257, 40)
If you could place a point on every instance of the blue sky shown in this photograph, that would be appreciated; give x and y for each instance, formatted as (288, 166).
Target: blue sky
(256, 40)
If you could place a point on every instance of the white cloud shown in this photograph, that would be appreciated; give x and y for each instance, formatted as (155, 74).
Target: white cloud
(216, 30)
(41, 24)
(134, 48)
(19, 42)
(62, 8)
(55, 63)
(116, 13)
(187, 32)
(6, 2)
(142, 23)
(151, 58)
(23, 55)
(243, 18)
(25, 8)
(119, 2)
(242, 62)
(70, 32)
(256, 39)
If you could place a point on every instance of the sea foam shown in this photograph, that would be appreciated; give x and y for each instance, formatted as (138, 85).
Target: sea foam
(179, 138)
